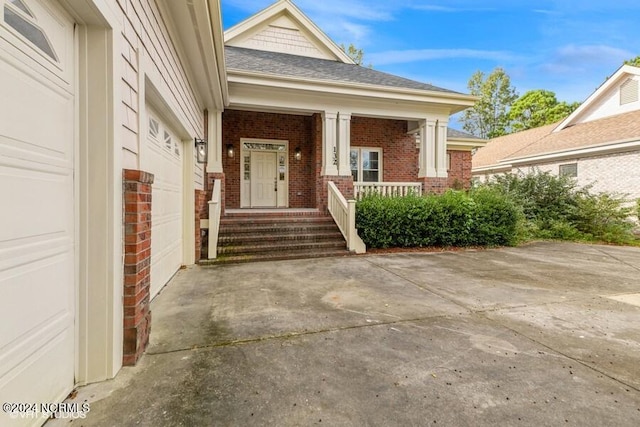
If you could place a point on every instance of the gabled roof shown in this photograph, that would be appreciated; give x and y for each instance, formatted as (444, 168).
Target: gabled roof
(285, 21)
(608, 121)
(595, 100)
(282, 64)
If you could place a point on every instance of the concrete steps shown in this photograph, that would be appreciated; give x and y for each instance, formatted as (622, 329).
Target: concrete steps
(247, 236)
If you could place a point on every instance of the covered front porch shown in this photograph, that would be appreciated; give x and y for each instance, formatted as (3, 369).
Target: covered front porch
(285, 160)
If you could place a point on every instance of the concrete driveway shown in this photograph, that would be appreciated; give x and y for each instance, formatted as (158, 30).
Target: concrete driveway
(544, 334)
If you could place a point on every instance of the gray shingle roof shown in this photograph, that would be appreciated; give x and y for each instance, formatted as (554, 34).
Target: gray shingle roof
(283, 64)
(455, 133)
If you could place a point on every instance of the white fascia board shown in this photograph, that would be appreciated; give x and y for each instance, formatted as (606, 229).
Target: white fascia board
(466, 144)
(596, 150)
(456, 102)
(491, 169)
(274, 98)
(593, 98)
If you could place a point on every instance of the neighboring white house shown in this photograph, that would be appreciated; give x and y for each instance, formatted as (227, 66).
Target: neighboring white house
(598, 144)
(92, 91)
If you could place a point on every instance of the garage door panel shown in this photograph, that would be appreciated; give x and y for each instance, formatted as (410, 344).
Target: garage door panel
(34, 194)
(162, 158)
(54, 106)
(37, 284)
(41, 367)
(37, 240)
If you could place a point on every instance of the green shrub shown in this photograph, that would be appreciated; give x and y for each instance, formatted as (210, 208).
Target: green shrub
(497, 218)
(451, 219)
(603, 216)
(554, 207)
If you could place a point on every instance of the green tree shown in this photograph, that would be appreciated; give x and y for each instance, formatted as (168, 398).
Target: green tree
(489, 117)
(635, 61)
(356, 54)
(538, 108)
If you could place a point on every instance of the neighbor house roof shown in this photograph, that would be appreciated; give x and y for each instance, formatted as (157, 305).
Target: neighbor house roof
(505, 146)
(455, 133)
(542, 141)
(295, 66)
(619, 128)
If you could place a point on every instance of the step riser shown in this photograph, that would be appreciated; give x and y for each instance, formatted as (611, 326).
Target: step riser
(224, 231)
(245, 237)
(252, 238)
(231, 259)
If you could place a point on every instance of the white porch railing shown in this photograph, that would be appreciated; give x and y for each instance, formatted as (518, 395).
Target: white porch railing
(344, 214)
(215, 208)
(386, 189)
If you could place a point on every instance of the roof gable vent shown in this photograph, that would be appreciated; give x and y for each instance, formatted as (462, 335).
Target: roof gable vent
(629, 92)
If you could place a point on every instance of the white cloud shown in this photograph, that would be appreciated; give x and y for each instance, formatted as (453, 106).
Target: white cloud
(571, 58)
(416, 55)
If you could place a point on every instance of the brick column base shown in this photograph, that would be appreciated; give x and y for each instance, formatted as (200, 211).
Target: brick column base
(137, 263)
(344, 184)
(434, 185)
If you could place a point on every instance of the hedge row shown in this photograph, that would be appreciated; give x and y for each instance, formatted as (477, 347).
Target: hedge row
(485, 218)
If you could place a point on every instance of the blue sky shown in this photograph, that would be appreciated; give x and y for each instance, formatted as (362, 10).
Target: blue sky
(566, 46)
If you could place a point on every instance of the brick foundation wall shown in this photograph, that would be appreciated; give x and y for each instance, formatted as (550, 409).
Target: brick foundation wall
(434, 185)
(460, 170)
(295, 129)
(137, 263)
(399, 152)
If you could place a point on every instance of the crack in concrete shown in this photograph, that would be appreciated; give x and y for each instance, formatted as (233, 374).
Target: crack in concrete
(575, 359)
(292, 335)
(618, 259)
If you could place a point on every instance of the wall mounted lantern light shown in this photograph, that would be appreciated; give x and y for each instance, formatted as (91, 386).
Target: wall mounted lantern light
(230, 152)
(298, 154)
(201, 150)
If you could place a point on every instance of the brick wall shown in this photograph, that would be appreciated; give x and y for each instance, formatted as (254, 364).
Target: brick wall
(399, 152)
(295, 129)
(137, 263)
(460, 170)
(307, 189)
(613, 173)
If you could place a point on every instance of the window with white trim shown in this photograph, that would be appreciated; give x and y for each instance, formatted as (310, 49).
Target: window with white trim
(366, 164)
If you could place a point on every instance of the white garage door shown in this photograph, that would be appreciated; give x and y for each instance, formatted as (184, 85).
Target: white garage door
(163, 158)
(37, 217)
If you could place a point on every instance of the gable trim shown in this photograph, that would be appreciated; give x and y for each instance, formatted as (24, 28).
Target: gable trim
(256, 23)
(625, 70)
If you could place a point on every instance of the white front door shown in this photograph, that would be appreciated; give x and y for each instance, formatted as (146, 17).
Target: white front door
(264, 179)
(38, 220)
(163, 158)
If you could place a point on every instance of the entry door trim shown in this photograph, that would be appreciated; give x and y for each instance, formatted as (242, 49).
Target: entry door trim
(279, 147)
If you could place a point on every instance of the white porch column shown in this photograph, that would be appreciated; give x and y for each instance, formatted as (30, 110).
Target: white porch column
(441, 148)
(428, 149)
(329, 144)
(344, 144)
(214, 142)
